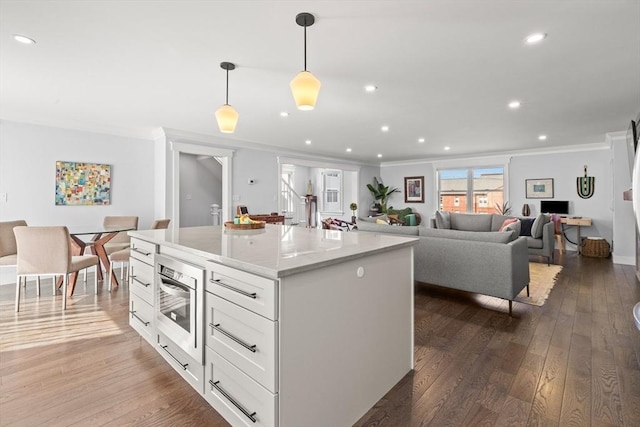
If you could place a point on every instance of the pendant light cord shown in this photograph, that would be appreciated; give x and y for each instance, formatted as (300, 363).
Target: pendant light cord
(305, 46)
(227, 97)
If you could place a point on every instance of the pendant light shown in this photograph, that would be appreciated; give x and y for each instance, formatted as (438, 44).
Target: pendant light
(305, 87)
(226, 115)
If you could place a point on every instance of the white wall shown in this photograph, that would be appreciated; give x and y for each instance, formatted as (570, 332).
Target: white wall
(393, 176)
(261, 166)
(565, 168)
(200, 187)
(28, 155)
(624, 250)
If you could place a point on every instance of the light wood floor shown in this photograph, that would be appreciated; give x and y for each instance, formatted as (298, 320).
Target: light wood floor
(573, 361)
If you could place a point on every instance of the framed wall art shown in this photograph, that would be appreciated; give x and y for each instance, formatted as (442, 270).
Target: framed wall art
(539, 188)
(82, 184)
(414, 189)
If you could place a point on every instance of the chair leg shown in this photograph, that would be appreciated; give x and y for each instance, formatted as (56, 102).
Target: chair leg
(38, 284)
(510, 308)
(18, 283)
(64, 291)
(95, 279)
(528, 290)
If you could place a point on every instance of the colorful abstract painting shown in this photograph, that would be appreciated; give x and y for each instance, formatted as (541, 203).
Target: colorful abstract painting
(82, 183)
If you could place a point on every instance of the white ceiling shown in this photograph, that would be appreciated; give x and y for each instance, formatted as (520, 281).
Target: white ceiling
(445, 71)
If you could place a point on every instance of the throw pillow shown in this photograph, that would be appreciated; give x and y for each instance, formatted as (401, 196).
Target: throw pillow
(381, 221)
(443, 220)
(506, 223)
(525, 229)
(514, 226)
(537, 226)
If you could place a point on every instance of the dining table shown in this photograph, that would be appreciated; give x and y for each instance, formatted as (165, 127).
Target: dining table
(100, 236)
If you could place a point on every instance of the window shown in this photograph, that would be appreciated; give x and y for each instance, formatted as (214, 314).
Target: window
(478, 190)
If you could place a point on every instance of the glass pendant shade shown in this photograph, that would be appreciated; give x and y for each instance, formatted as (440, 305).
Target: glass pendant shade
(227, 118)
(305, 88)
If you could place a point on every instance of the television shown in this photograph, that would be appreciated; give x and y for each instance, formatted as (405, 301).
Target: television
(560, 207)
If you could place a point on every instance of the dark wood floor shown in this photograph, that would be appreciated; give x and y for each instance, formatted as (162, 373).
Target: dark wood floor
(573, 361)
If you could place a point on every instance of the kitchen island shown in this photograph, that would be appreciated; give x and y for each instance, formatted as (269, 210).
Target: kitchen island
(300, 326)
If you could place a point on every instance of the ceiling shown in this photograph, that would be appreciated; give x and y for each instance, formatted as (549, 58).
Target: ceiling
(445, 72)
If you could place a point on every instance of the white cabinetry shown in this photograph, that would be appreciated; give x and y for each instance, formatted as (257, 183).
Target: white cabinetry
(241, 345)
(141, 289)
(309, 331)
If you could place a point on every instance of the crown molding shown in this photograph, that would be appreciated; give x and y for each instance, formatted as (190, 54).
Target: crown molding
(501, 155)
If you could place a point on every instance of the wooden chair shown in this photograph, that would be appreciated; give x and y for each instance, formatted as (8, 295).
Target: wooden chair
(47, 251)
(122, 256)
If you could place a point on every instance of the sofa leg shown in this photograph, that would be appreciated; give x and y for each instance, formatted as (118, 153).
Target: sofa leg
(510, 308)
(528, 291)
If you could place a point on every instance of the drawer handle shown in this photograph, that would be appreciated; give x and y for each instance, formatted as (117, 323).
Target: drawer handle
(232, 400)
(184, 365)
(231, 288)
(140, 252)
(146, 285)
(251, 348)
(133, 313)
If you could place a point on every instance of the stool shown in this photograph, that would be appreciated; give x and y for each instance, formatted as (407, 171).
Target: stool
(596, 247)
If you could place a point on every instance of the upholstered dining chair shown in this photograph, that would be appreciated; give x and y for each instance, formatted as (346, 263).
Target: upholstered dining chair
(122, 256)
(47, 251)
(160, 224)
(8, 249)
(121, 240)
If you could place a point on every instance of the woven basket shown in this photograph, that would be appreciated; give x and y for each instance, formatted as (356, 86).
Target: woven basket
(596, 248)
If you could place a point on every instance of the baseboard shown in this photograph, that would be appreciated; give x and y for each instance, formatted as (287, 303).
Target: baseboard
(628, 260)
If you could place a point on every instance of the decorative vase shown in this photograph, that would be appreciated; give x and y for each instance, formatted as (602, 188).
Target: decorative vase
(525, 210)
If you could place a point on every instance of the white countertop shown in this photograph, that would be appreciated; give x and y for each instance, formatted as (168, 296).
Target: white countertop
(277, 250)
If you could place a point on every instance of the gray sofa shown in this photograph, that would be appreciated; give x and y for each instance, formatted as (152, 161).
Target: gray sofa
(490, 263)
(540, 243)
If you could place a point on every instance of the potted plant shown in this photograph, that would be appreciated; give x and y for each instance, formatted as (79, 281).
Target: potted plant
(503, 209)
(381, 193)
(353, 206)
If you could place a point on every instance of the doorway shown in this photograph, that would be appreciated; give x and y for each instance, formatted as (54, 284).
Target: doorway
(200, 189)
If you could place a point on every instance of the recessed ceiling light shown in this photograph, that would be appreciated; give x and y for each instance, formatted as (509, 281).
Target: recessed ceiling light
(421, 140)
(348, 150)
(385, 128)
(535, 38)
(514, 104)
(379, 155)
(23, 39)
(284, 114)
(447, 148)
(542, 137)
(308, 142)
(370, 88)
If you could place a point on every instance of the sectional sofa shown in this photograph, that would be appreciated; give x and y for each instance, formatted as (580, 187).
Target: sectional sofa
(485, 262)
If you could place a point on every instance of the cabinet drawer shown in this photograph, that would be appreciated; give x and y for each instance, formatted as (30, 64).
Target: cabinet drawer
(141, 279)
(252, 292)
(238, 398)
(141, 318)
(245, 339)
(143, 251)
(189, 368)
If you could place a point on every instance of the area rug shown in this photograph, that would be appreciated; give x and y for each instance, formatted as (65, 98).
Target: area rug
(542, 278)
